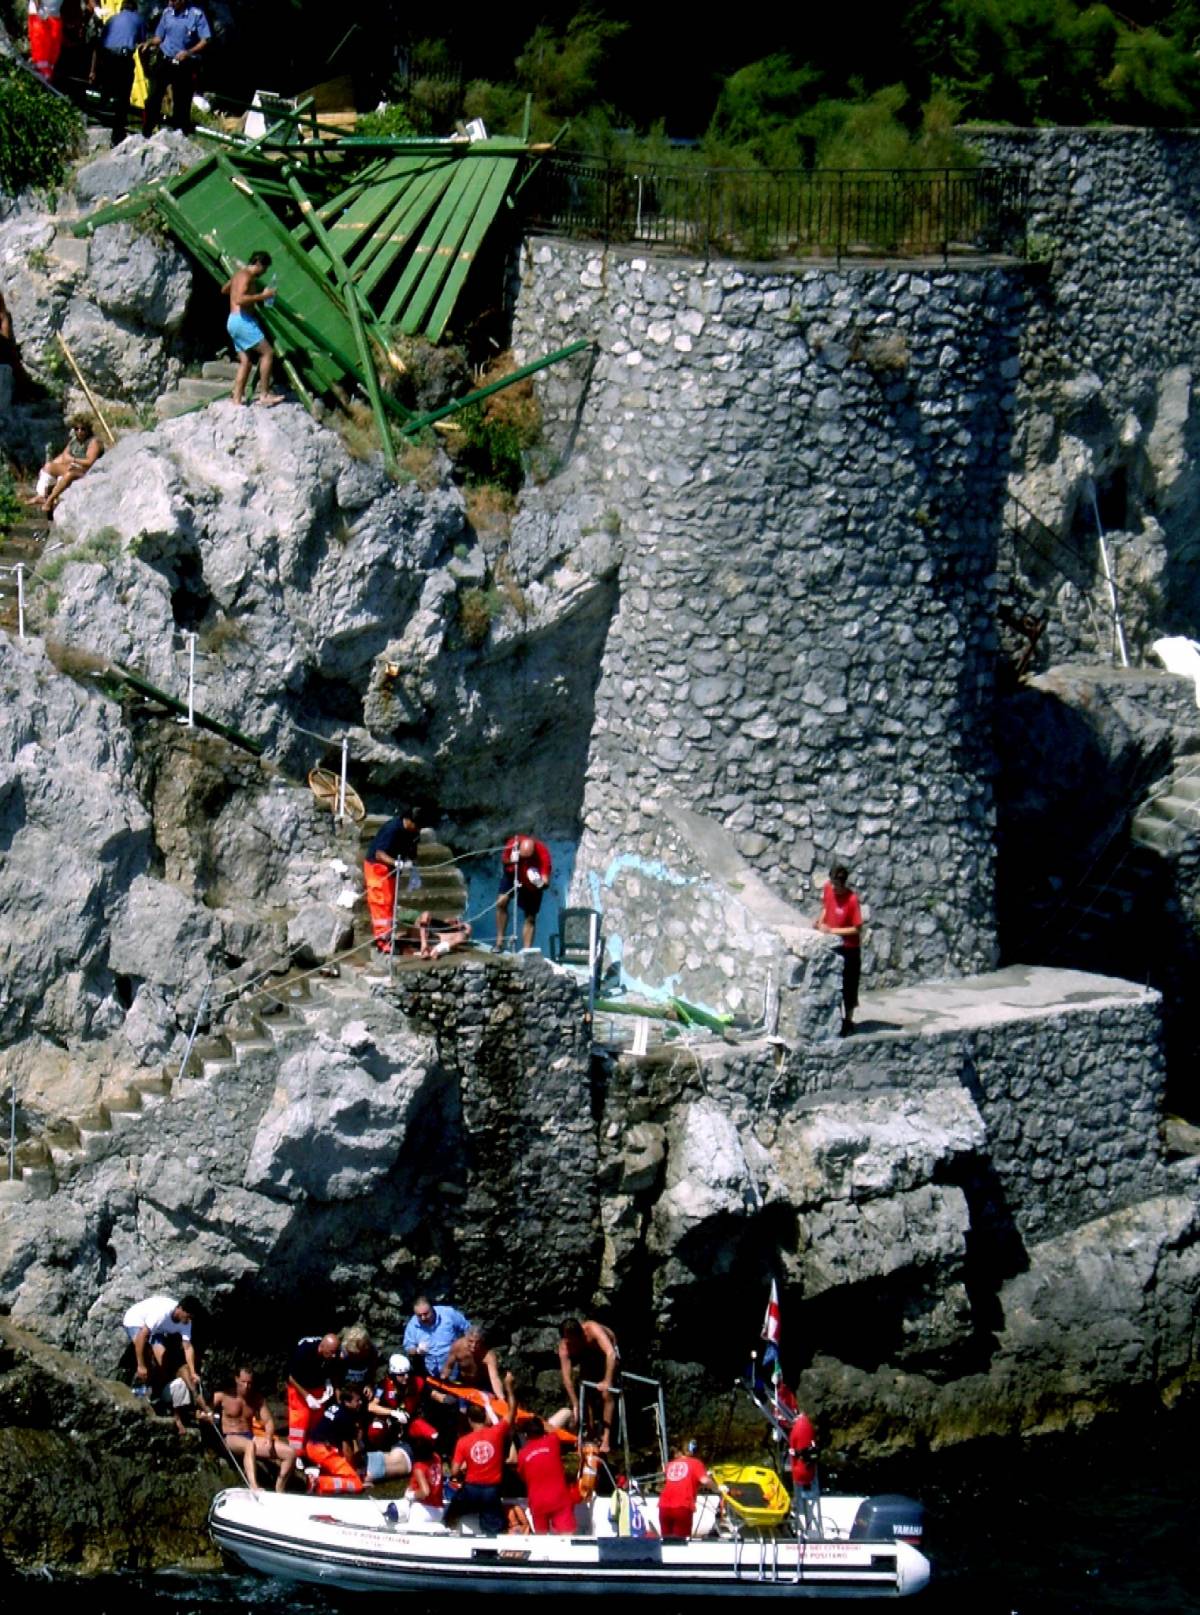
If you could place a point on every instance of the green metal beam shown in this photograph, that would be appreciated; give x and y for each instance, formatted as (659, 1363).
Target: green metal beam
(419, 422)
(353, 308)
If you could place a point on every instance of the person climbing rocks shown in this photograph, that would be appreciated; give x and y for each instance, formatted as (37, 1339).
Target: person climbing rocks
(589, 1348)
(841, 916)
(247, 335)
(83, 448)
(525, 866)
(151, 1326)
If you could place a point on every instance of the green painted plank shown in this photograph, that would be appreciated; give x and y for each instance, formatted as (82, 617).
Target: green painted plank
(420, 201)
(430, 257)
(443, 265)
(484, 217)
(221, 207)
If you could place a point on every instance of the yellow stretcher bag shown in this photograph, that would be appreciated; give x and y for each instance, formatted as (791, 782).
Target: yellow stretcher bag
(755, 1495)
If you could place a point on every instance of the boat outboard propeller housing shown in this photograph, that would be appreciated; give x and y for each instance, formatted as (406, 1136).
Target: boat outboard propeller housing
(889, 1518)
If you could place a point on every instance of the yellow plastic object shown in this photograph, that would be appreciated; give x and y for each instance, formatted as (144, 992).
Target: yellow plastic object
(756, 1495)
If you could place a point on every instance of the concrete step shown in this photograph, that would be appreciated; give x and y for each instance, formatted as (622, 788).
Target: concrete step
(1162, 835)
(154, 1086)
(40, 1182)
(1187, 786)
(216, 1067)
(189, 393)
(94, 1141)
(219, 370)
(1180, 808)
(13, 1191)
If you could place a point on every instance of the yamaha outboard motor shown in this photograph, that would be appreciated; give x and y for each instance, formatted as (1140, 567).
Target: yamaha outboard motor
(889, 1518)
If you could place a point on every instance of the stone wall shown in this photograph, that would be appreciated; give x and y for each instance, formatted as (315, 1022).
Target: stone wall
(807, 469)
(1107, 358)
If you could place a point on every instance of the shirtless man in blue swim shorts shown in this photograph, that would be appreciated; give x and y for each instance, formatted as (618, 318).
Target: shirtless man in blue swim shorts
(247, 335)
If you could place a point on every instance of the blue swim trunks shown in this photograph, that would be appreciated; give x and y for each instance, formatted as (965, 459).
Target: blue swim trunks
(244, 331)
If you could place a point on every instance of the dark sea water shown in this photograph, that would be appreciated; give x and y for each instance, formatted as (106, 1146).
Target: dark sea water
(1082, 1525)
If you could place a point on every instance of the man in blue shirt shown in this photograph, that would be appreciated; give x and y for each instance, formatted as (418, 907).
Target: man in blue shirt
(431, 1331)
(180, 35)
(113, 62)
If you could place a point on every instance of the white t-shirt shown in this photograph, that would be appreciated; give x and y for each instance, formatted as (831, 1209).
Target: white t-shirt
(155, 1315)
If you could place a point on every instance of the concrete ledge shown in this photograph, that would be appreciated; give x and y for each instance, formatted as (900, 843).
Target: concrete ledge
(1021, 992)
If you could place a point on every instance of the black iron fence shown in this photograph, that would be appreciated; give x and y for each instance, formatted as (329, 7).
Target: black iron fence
(745, 213)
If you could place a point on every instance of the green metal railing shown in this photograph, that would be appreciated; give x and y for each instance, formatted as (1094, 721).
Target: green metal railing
(790, 213)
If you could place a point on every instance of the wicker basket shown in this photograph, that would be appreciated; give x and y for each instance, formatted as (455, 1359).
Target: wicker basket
(325, 785)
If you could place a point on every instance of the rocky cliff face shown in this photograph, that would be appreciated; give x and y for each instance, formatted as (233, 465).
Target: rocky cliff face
(751, 623)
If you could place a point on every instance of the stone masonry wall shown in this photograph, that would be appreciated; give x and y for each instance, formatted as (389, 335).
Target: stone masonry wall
(1070, 1097)
(520, 1208)
(1109, 346)
(807, 468)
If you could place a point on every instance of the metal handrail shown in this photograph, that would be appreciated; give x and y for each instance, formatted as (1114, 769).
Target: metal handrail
(776, 213)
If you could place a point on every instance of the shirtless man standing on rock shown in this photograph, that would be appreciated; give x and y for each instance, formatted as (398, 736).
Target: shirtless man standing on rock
(246, 334)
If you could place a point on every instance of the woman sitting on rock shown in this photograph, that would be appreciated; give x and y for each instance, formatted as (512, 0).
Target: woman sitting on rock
(83, 449)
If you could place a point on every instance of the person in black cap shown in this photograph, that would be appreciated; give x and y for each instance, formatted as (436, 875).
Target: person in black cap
(391, 855)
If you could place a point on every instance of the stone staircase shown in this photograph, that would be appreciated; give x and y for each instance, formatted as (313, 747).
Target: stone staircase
(265, 1020)
(1102, 924)
(215, 381)
(1166, 819)
(23, 544)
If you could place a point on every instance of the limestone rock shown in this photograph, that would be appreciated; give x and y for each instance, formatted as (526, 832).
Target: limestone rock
(75, 835)
(138, 278)
(848, 1244)
(706, 1174)
(135, 162)
(119, 359)
(138, 1495)
(316, 932)
(875, 1146)
(1108, 1299)
(336, 1123)
(161, 935)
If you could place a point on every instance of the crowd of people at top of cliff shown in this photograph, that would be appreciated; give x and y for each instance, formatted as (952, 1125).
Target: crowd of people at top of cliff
(110, 45)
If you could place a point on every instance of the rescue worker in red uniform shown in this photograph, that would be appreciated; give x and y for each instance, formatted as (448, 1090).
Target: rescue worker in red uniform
(841, 916)
(478, 1462)
(524, 866)
(802, 1451)
(551, 1500)
(685, 1475)
(314, 1371)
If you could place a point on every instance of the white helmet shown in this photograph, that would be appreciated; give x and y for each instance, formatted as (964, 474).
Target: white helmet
(398, 1363)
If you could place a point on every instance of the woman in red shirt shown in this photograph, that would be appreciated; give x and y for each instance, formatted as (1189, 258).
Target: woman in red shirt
(841, 916)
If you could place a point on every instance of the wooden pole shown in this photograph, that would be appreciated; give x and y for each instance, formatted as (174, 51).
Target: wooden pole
(87, 391)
